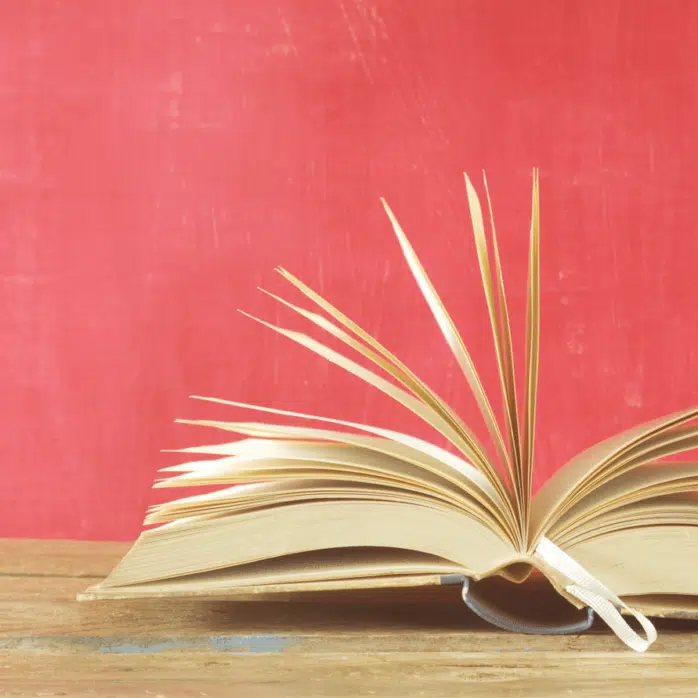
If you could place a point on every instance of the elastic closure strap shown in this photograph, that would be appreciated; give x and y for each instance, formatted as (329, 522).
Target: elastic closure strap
(597, 596)
(512, 621)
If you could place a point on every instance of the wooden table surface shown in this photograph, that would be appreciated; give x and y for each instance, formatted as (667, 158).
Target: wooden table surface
(51, 645)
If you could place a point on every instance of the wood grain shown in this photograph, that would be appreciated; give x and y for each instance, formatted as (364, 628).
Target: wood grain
(52, 645)
(63, 558)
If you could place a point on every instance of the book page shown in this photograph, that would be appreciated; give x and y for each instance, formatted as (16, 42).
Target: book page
(314, 567)
(385, 451)
(559, 490)
(653, 559)
(673, 508)
(202, 546)
(646, 482)
(305, 487)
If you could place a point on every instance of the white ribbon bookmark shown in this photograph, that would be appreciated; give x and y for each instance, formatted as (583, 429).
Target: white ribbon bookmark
(598, 597)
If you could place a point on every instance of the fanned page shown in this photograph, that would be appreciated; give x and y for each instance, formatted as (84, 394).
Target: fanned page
(328, 503)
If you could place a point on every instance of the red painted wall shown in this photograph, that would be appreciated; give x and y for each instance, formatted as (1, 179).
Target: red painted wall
(159, 159)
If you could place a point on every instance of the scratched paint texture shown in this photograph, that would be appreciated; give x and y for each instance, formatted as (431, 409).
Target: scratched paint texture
(159, 159)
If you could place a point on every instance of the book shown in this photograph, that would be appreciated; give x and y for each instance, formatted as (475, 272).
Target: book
(325, 504)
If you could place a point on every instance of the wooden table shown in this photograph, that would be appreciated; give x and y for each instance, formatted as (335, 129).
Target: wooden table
(51, 645)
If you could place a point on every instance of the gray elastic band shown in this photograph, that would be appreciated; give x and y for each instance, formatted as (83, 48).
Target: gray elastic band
(507, 621)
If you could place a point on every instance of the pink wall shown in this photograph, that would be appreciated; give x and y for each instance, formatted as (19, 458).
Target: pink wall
(159, 159)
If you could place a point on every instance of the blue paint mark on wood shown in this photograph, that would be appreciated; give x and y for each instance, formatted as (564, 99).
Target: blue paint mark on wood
(238, 644)
(241, 644)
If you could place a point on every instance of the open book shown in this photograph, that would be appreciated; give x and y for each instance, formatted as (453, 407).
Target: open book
(334, 504)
